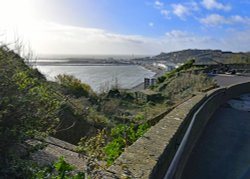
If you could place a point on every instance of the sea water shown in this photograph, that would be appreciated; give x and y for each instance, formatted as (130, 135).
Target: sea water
(100, 77)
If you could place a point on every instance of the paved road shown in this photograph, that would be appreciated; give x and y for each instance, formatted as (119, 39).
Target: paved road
(225, 80)
(223, 151)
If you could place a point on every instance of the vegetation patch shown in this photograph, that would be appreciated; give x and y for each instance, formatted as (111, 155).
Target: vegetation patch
(122, 136)
(59, 170)
(74, 86)
(32, 107)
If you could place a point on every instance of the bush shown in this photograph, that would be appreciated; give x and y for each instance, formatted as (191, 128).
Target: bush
(187, 84)
(114, 149)
(74, 86)
(93, 146)
(122, 136)
(161, 79)
(97, 118)
(139, 117)
(29, 109)
(172, 73)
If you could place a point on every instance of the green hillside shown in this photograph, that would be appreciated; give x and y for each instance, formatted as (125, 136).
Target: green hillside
(31, 108)
(204, 56)
(102, 125)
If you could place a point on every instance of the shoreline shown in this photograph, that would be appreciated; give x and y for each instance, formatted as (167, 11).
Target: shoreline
(158, 71)
(80, 64)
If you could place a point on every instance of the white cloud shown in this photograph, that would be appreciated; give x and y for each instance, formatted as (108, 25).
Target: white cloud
(240, 19)
(185, 9)
(179, 40)
(151, 24)
(213, 19)
(78, 40)
(216, 19)
(183, 38)
(180, 10)
(75, 40)
(176, 34)
(53, 38)
(234, 38)
(158, 4)
(213, 4)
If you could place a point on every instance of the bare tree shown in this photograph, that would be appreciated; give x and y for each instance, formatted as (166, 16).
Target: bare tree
(24, 50)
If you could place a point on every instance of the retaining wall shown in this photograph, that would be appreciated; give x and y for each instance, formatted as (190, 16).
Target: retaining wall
(151, 155)
(199, 121)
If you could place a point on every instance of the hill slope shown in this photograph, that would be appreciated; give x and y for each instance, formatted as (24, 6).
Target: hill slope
(204, 56)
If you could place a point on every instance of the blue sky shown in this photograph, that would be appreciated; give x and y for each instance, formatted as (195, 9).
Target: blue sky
(127, 26)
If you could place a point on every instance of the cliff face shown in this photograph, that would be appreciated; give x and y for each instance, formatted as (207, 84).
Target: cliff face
(204, 56)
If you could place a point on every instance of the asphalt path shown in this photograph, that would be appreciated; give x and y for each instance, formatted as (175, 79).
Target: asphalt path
(223, 151)
(226, 80)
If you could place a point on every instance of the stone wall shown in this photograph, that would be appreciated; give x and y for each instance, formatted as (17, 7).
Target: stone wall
(151, 155)
(215, 99)
(145, 158)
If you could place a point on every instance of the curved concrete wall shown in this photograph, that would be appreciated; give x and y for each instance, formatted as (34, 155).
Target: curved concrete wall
(162, 146)
(199, 121)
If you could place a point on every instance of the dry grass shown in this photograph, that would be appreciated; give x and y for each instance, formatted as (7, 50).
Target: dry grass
(186, 84)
